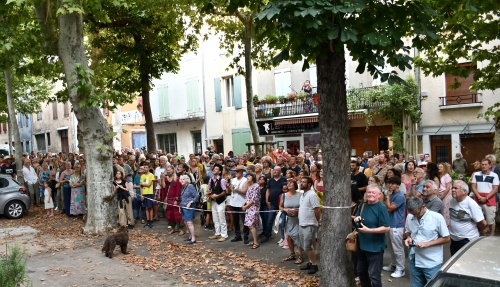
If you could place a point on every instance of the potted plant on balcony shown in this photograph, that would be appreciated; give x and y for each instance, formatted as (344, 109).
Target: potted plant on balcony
(282, 99)
(292, 97)
(316, 99)
(260, 113)
(255, 101)
(276, 112)
(302, 96)
(270, 99)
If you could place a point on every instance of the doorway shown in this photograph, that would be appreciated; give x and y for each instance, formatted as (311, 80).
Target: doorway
(292, 145)
(219, 146)
(196, 141)
(441, 148)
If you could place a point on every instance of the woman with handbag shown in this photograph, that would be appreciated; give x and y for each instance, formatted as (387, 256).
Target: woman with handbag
(289, 205)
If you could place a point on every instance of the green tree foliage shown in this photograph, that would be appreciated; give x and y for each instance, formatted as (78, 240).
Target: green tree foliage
(13, 267)
(321, 32)
(139, 43)
(392, 102)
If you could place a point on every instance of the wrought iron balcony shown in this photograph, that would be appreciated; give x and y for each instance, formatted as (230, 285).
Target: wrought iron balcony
(460, 101)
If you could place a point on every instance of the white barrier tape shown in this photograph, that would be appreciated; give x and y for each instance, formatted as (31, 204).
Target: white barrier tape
(243, 212)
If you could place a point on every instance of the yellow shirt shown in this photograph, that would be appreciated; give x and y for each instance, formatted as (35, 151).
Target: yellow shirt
(146, 178)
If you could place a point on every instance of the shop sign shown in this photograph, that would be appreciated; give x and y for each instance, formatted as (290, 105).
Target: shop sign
(271, 128)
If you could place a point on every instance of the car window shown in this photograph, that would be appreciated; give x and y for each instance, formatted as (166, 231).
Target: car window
(3, 182)
(455, 280)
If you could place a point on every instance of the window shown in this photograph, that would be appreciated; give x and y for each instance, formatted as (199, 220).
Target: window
(4, 127)
(48, 139)
(282, 82)
(193, 96)
(229, 91)
(54, 110)
(20, 121)
(28, 121)
(167, 142)
(39, 116)
(66, 109)
(163, 101)
(461, 95)
(40, 142)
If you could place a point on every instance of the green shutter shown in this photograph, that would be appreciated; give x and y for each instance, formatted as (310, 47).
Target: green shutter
(164, 110)
(240, 137)
(218, 101)
(192, 95)
(237, 92)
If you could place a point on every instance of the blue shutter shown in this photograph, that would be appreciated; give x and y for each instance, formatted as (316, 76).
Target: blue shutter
(237, 92)
(218, 101)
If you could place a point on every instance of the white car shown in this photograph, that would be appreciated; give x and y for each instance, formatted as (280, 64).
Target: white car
(477, 264)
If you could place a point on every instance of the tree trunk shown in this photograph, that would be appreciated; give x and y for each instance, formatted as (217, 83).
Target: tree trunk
(496, 142)
(335, 263)
(14, 127)
(102, 213)
(248, 83)
(146, 103)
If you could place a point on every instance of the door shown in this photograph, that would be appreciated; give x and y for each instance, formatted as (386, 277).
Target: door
(219, 146)
(64, 141)
(197, 141)
(138, 140)
(441, 148)
(293, 145)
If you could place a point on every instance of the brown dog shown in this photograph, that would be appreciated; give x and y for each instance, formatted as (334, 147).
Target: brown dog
(119, 238)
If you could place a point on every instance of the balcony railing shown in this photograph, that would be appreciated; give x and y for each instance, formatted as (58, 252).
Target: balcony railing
(297, 107)
(467, 99)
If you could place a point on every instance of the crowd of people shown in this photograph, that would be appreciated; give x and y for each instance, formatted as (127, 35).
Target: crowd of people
(417, 204)
(395, 202)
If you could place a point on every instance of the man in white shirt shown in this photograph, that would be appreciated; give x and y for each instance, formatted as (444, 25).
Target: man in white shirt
(466, 217)
(31, 181)
(238, 189)
(485, 187)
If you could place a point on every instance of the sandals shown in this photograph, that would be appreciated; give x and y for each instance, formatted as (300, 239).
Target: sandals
(299, 260)
(290, 258)
(171, 231)
(181, 232)
(255, 246)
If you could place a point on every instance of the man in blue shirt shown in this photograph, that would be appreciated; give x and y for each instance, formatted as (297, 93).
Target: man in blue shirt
(371, 237)
(426, 233)
(396, 205)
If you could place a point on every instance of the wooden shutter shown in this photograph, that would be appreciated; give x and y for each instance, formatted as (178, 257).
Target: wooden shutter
(66, 109)
(192, 95)
(218, 101)
(163, 101)
(54, 110)
(237, 92)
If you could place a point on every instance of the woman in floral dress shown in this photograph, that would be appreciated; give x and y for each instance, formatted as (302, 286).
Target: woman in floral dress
(78, 202)
(43, 176)
(251, 207)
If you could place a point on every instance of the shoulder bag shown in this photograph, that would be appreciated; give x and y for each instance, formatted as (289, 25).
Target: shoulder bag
(351, 242)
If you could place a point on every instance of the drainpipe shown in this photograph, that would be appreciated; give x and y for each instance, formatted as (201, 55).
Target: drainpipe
(419, 84)
(75, 133)
(204, 99)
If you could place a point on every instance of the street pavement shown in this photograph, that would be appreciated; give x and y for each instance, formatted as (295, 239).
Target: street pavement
(70, 261)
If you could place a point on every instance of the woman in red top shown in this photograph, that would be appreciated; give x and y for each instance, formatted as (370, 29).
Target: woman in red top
(173, 188)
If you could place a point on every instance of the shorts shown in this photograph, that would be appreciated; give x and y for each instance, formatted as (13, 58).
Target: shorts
(489, 213)
(207, 207)
(147, 203)
(306, 235)
(187, 214)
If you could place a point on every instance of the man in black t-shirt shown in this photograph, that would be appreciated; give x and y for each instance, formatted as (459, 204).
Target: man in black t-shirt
(8, 167)
(274, 190)
(358, 178)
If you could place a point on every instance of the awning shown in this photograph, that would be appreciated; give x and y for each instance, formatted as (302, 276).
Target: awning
(62, 128)
(39, 133)
(216, 137)
(456, 129)
(297, 121)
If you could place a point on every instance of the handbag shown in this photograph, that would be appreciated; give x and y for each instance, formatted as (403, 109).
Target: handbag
(277, 220)
(58, 185)
(282, 221)
(352, 242)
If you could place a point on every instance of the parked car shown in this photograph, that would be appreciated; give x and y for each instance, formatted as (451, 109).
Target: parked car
(14, 200)
(475, 264)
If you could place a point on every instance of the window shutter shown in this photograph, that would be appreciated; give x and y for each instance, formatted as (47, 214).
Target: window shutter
(54, 110)
(237, 92)
(218, 101)
(193, 96)
(66, 109)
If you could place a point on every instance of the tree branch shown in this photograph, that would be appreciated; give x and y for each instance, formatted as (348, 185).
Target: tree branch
(49, 47)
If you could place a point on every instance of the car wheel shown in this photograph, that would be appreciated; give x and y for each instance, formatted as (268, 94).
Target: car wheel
(14, 209)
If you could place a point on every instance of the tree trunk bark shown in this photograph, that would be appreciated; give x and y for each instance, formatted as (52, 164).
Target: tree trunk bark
(496, 142)
(102, 214)
(14, 127)
(336, 268)
(248, 83)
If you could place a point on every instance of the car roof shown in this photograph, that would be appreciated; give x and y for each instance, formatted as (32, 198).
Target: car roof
(480, 258)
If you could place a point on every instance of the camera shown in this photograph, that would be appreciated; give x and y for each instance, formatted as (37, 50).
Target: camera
(143, 148)
(358, 224)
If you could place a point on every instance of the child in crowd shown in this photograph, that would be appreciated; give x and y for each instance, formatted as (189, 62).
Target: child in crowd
(206, 204)
(49, 202)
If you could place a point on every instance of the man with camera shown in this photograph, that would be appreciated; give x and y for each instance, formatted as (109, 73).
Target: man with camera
(372, 222)
(426, 232)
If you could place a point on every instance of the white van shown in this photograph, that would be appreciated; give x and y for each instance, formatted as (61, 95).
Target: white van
(4, 149)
